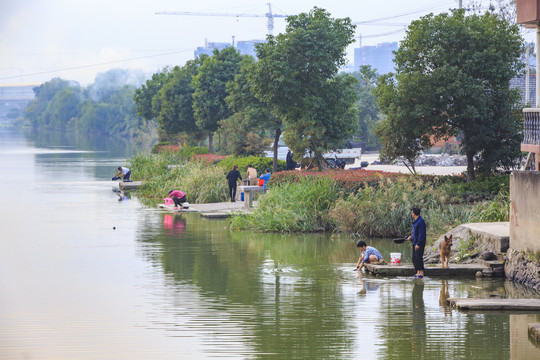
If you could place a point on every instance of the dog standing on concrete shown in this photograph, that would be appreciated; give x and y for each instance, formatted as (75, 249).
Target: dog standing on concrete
(444, 251)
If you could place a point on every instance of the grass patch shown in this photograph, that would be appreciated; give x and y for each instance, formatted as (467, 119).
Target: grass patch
(292, 207)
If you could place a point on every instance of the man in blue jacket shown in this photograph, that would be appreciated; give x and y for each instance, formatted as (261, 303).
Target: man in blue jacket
(418, 239)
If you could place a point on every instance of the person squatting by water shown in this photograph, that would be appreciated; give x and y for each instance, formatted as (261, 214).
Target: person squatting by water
(122, 172)
(369, 255)
(418, 240)
(252, 175)
(232, 178)
(179, 198)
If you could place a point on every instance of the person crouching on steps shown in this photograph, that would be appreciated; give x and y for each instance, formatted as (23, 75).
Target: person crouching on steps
(178, 197)
(369, 255)
(232, 178)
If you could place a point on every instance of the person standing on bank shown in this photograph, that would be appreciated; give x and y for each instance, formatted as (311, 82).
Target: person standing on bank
(232, 178)
(418, 240)
(252, 175)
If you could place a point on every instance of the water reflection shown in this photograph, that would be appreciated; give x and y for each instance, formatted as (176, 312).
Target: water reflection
(179, 286)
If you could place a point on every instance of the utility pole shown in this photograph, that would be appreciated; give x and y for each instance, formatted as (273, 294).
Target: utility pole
(460, 4)
(527, 74)
(537, 64)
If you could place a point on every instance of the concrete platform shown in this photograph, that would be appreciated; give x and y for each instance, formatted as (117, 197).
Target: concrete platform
(495, 234)
(215, 215)
(431, 270)
(129, 185)
(224, 207)
(528, 305)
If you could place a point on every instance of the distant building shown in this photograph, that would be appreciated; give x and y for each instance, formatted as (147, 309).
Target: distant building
(209, 48)
(380, 57)
(520, 83)
(15, 96)
(246, 47)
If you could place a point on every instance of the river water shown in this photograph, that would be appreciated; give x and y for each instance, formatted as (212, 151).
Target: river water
(85, 274)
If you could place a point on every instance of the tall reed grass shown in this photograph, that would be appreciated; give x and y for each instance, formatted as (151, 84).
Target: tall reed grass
(292, 207)
(201, 183)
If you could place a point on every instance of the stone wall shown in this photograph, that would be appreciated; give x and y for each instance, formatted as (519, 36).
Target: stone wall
(519, 268)
(525, 211)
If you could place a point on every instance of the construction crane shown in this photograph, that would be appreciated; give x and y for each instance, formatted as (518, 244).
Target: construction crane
(269, 15)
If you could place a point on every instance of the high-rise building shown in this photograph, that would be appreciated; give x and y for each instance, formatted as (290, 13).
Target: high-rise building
(380, 57)
(209, 48)
(520, 83)
(246, 47)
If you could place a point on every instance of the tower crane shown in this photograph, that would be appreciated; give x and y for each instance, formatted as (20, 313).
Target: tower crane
(269, 15)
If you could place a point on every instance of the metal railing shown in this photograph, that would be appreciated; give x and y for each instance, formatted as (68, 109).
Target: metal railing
(531, 126)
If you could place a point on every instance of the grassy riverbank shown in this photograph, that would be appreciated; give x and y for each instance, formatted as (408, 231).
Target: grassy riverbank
(370, 203)
(201, 176)
(374, 204)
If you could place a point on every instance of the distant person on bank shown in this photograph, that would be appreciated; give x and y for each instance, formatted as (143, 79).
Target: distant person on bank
(418, 240)
(179, 198)
(252, 175)
(266, 177)
(232, 178)
(123, 173)
(369, 255)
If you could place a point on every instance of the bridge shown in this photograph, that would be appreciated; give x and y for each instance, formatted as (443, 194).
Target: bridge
(15, 96)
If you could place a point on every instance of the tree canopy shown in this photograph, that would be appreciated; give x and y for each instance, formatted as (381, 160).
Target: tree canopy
(209, 103)
(453, 75)
(296, 75)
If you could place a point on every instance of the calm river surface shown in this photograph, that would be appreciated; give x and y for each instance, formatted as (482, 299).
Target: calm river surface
(180, 287)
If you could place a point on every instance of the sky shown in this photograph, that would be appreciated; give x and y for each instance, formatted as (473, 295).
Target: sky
(76, 40)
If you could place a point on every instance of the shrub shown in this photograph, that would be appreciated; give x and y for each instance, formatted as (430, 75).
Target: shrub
(293, 207)
(259, 163)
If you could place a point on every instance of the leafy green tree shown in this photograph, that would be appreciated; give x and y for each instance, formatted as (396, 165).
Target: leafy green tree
(144, 97)
(209, 103)
(252, 116)
(366, 106)
(453, 75)
(176, 100)
(36, 112)
(296, 75)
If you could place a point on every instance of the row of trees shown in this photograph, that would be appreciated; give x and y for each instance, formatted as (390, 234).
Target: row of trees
(453, 78)
(293, 90)
(104, 108)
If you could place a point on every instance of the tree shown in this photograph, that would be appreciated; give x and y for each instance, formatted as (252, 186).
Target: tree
(209, 103)
(250, 114)
(453, 75)
(175, 100)
(366, 106)
(144, 96)
(37, 112)
(296, 75)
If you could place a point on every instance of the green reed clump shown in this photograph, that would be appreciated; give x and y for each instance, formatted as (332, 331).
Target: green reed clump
(292, 207)
(201, 183)
(385, 211)
(494, 210)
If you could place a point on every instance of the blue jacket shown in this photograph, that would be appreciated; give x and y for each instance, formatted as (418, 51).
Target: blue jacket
(418, 233)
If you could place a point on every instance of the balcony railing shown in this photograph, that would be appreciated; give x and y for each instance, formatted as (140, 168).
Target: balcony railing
(531, 126)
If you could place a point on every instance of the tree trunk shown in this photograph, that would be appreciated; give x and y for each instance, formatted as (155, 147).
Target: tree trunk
(210, 143)
(276, 140)
(470, 167)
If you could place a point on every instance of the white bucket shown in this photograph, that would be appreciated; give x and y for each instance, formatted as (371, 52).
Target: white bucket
(395, 258)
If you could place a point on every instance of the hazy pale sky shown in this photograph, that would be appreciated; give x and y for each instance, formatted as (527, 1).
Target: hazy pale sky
(76, 40)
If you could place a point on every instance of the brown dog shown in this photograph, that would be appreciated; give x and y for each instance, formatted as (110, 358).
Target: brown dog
(444, 251)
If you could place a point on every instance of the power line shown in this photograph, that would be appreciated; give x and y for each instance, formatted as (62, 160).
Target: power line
(93, 65)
